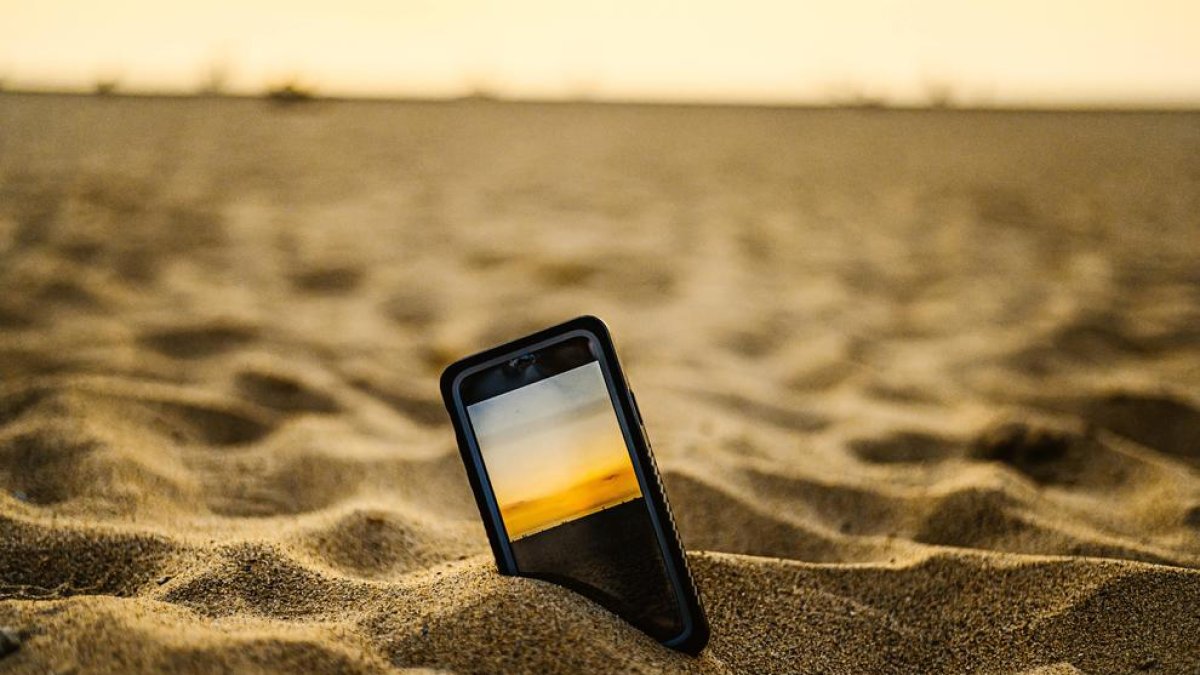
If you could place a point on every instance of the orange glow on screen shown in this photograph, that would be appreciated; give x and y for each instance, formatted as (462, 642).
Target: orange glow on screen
(553, 451)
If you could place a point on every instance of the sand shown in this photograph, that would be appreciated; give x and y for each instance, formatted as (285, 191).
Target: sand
(923, 385)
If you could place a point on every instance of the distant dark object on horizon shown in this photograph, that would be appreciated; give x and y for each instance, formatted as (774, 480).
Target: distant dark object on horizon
(479, 94)
(290, 93)
(866, 103)
(105, 87)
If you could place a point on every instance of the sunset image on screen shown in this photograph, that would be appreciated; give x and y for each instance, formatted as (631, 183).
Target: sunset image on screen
(553, 451)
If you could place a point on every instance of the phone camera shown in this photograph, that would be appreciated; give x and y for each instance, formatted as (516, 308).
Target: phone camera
(522, 363)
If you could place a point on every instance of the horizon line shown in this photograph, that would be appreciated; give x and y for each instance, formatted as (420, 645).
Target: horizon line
(289, 94)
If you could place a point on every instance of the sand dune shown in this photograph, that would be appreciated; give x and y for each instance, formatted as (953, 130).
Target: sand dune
(923, 386)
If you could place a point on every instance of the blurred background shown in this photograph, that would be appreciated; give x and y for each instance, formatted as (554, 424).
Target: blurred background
(1069, 53)
(880, 214)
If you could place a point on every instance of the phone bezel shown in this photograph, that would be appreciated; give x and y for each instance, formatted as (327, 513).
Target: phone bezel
(694, 635)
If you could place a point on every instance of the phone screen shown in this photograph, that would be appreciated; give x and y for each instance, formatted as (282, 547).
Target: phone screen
(563, 480)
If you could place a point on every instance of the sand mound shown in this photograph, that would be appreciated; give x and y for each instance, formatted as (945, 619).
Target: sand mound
(922, 390)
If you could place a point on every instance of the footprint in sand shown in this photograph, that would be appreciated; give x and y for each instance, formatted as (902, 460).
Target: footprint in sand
(328, 280)
(1165, 422)
(195, 342)
(284, 393)
(903, 447)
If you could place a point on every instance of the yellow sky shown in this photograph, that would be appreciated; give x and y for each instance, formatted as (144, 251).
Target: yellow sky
(1043, 52)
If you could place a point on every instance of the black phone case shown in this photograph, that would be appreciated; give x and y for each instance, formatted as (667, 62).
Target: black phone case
(695, 635)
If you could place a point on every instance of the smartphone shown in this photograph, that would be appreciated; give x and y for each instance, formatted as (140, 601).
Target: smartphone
(565, 479)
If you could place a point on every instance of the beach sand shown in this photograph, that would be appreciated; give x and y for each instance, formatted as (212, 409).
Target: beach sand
(924, 386)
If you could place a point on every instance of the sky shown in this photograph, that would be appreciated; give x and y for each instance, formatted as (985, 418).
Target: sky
(553, 450)
(1002, 52)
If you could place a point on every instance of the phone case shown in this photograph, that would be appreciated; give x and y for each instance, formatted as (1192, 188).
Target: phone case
(695, 634)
